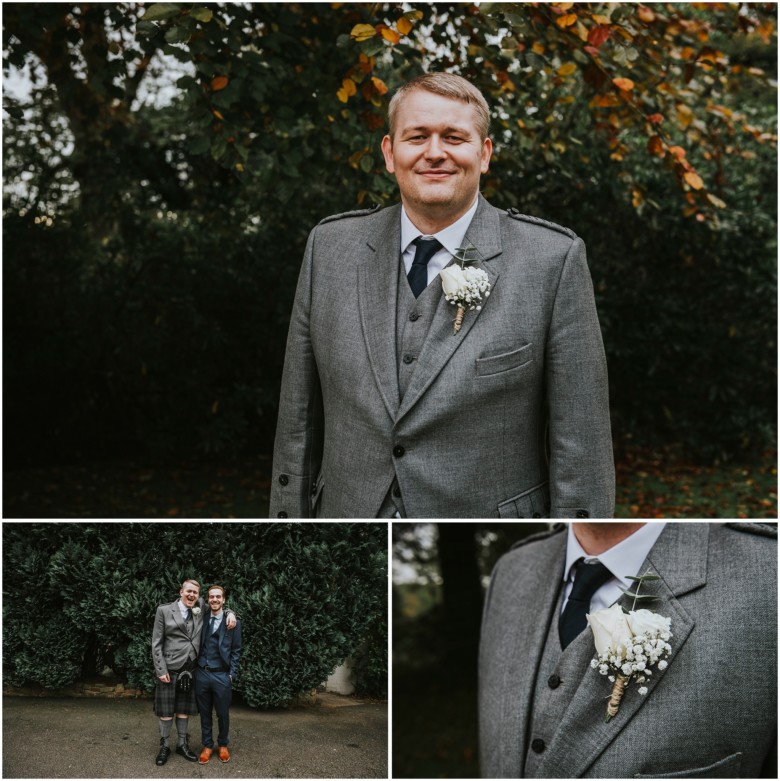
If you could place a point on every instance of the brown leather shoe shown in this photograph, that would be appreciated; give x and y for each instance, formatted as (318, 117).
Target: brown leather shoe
(224, 754)
(205, 755)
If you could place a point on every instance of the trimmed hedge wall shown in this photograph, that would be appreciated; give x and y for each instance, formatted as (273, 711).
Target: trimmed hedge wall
(82, 596)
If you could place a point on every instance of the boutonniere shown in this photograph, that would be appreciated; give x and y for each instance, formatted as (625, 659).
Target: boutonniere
(628, 644)
(464, 286)
(196, 611)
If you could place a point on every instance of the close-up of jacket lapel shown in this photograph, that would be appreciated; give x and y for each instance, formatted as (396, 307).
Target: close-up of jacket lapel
(679, 559)
(377, 300)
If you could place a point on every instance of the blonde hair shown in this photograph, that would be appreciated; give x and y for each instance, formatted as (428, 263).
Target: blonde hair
(449, 86)
(191, 580)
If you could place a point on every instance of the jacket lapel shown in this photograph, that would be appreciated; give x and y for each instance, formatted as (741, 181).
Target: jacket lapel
(679, 558)
(177, 617)
(377, 301)
(484, 234)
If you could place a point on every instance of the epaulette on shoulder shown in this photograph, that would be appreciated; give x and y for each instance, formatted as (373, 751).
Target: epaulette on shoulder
(515, 215)
(357, 213)
(554, 529)
(760, 529)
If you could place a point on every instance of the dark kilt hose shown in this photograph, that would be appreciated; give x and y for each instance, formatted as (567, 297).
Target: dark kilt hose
(168, 701)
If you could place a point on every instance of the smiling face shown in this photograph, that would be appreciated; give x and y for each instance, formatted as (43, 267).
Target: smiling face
(189, 593)
(437, 156)
(216, 599)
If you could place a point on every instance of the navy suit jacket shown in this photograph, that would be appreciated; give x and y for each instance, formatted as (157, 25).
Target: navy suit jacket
(229, 643)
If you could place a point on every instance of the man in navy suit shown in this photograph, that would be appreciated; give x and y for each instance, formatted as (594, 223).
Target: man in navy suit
(220, 652)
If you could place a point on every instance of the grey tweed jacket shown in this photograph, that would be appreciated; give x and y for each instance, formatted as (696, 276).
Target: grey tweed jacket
(172, 641)
(711, 714)
(508, 418)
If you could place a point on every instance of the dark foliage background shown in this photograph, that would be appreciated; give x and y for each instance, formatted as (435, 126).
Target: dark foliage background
(151, 247)
(436, 619)
(81, 597)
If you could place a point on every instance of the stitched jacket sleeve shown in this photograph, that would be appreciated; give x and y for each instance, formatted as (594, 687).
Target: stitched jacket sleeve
(582, 472)
(298, 444)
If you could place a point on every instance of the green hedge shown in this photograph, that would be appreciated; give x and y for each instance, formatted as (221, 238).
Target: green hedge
(78, 597)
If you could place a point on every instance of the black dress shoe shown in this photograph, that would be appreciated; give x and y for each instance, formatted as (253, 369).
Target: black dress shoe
(184, 750)
(165, 752)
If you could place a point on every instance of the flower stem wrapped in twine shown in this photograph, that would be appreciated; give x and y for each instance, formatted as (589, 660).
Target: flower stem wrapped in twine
(459, 318)
(617, 695)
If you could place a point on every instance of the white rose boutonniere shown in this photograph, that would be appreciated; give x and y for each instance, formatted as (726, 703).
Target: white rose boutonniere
(196, 611)
(629, 644)
(464, 286)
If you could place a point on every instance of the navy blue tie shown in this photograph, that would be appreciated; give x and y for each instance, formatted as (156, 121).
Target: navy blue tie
(587, 581)
(418, 273)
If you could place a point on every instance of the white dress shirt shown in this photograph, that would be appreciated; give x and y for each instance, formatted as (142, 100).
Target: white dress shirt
(451, 238)
(622, 560)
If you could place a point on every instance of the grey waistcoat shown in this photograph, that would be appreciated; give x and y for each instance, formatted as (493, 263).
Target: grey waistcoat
(552, 695)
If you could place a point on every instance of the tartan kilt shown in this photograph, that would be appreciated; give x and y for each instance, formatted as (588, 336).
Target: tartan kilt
(168, 701)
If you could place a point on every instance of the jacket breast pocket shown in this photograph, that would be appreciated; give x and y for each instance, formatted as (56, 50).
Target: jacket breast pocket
(533, 503)
(504, 362)
(728, 767)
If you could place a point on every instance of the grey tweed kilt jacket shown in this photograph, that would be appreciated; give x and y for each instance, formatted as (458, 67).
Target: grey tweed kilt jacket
(712, 713)
(507, 418)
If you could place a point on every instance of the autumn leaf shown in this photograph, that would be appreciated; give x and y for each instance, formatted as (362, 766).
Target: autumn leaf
(693, 179)
(379, 85)
(566, 21)
(349, 87)
(656, 146)
(363, 32)
(567, 69)
(655, 119)
(622, 83)
(404, 26)
(645, 14)
(598, 35)
(217, 114)
(390, 35)
(218, 83)
(715, 201)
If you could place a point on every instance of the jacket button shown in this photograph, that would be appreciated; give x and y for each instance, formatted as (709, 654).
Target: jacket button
(313, 488)
(398, 451)
(582, 514)
(414, 316)
(396, 490)
(408, 358)
(281, 514)
(283, 479)
(537, 745)
(554, 681)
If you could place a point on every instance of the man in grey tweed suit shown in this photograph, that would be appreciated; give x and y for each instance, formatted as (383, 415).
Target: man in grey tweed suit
(712, 713)
(384, 410)
(176, 641)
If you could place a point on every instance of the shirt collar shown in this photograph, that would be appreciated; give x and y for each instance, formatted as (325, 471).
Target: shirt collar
(622, 560)
(218, 616)
(451, 237)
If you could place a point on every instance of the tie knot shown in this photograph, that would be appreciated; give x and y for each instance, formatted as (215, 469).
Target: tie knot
(425, 250)
(588, 580)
